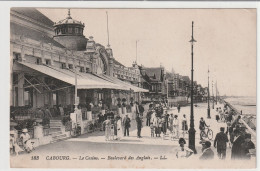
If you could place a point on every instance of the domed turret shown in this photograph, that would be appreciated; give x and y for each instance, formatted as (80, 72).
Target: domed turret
(69, 33)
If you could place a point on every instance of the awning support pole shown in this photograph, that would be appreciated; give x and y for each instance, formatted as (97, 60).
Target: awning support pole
(76, 86)
(33, 85)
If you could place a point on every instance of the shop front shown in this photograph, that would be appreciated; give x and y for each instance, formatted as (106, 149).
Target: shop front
(45, 95)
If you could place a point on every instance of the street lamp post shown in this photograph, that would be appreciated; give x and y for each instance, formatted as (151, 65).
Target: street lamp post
(212, 97)
(208, 110)
(216, 94)
(192, 131)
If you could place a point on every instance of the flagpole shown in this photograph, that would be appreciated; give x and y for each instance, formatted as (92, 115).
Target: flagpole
(107, 31)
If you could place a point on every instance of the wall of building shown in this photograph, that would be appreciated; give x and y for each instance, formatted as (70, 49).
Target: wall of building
(77, 43)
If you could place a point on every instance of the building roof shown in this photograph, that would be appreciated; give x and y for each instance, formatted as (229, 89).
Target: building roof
(69, 20)
(169, 76)
(33, 34)
(34, 14)
(154, 73)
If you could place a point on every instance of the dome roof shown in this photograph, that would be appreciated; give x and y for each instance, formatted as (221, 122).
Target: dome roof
(69, 20)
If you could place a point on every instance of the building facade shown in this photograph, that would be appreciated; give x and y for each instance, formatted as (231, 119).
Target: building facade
(155, 80)
(46, 57)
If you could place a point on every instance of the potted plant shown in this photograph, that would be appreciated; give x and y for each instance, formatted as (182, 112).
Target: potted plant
(124, 105)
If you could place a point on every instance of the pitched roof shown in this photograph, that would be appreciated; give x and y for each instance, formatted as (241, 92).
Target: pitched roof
(151, 72)
(169, 76)
(34, 14)
(33, 34)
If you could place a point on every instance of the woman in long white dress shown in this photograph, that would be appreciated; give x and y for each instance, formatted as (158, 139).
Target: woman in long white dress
(119, 129)
(107, 124)
(184, 125)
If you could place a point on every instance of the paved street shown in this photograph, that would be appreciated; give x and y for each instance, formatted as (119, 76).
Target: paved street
(94, 145)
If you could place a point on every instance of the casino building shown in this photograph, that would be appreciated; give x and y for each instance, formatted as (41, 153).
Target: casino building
(48, 58)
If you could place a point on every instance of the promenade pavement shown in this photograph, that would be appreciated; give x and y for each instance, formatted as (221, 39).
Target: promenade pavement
(94, 144)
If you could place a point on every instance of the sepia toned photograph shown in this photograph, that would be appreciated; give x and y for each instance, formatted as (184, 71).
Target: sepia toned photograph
(153, 88)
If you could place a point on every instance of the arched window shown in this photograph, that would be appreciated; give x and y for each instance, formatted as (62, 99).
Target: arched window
(70, 30)
(76, 30)
(63, 30)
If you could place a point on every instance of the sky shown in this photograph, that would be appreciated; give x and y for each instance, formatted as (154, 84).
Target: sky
(226, 41)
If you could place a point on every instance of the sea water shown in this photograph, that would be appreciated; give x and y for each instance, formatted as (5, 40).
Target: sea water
(246, 104)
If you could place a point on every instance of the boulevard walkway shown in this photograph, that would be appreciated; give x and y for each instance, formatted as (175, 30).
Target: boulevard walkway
(153, 149)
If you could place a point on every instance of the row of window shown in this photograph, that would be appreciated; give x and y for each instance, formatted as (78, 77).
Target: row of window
(63, 65)
(124, 73)
(126, 77)
(70, 66)
(68, 30)
(156, 88)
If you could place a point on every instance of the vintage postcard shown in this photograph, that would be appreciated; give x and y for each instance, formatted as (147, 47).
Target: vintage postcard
(151, 88)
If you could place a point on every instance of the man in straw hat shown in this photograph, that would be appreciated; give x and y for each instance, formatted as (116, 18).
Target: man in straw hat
(26, 139)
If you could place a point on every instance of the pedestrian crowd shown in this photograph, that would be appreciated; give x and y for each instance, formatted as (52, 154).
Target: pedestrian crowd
(117, 126)
(235, 136)
(157, 118)
(161, 122)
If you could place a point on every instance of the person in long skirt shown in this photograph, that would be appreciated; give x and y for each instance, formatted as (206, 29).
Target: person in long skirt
(184, 126)
(107, 124)
(175, 127)
(164, 126)
(171, 118)
(156, 125)
(119, 129)
(160, 126)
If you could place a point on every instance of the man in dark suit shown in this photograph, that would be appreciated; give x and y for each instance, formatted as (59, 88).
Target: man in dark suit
(139, 126)
(126, 125)
(237, 150)
(141, 109)
(221, 141)
(207, 153)
(247, 145)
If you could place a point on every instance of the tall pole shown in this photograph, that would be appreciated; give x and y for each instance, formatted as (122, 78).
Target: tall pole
(192, 130)
(76, 85)
(216, 94)
(167, 95)
(212, 97)
(208, 110)
(107, 31)
(136, 51)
